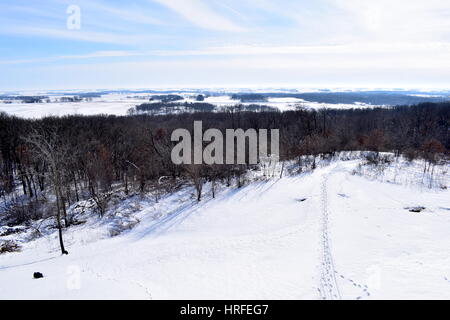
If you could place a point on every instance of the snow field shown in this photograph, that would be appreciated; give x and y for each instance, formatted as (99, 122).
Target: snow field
(350, 239)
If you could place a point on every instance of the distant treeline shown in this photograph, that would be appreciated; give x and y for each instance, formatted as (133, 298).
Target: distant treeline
(46, 99)
(25, 99)
(167, 108)
(249, 97)
(248, 108)
(367, 97)
(160, 108)
(71, 99)
(167, 98)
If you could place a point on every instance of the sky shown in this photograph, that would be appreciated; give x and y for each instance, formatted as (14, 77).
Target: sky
(93, 44)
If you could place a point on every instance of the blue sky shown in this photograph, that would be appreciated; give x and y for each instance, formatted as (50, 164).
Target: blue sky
(216, 43)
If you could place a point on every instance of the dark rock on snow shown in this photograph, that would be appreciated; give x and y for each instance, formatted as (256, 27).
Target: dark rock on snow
(416, 209)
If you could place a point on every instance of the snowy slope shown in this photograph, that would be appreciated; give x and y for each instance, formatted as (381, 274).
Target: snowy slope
(350, 239)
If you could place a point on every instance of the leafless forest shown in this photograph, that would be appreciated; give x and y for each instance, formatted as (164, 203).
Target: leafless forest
(48, 164)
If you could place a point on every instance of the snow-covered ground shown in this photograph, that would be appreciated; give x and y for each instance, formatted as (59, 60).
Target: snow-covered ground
(111, 104)
(119, 103)
(329, 234)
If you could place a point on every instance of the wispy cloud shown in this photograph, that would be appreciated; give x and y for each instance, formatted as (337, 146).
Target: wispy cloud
(199, 13)
(129, 13)
(412, 20)
(360, 48)
(78, 35)
(430, 58)
(93, 55)
(202, 41)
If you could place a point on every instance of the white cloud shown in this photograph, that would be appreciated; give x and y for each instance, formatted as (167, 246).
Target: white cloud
(130, 13)
(412, 20)
(80, 35)
(360, 48)
(421, 53)
(200, 14)
(331, 40)
(93, 55)
(342, 70)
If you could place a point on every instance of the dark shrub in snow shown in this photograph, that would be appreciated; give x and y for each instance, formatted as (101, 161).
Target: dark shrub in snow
(416, 209)
(9, 246)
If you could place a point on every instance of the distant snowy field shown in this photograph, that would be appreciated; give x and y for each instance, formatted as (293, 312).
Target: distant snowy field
(341, 232)
(118, 104)
(112, 104)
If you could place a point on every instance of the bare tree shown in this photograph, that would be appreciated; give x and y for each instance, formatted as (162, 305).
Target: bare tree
(195, 173)
(431, 151)
(47, 146)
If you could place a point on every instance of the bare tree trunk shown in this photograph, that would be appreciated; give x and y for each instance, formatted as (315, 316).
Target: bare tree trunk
(76, 187)
(34, 187)
(282, 170)
(431, 177)
(198, 187)
(213, 188)
(58, 223)
(126, 183)
(62, 204)
(28, 182)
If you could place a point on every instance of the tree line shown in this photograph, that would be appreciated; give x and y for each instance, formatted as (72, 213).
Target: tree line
(62, 160)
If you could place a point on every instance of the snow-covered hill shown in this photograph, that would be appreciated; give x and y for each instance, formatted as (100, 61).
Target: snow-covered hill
(329, 234)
